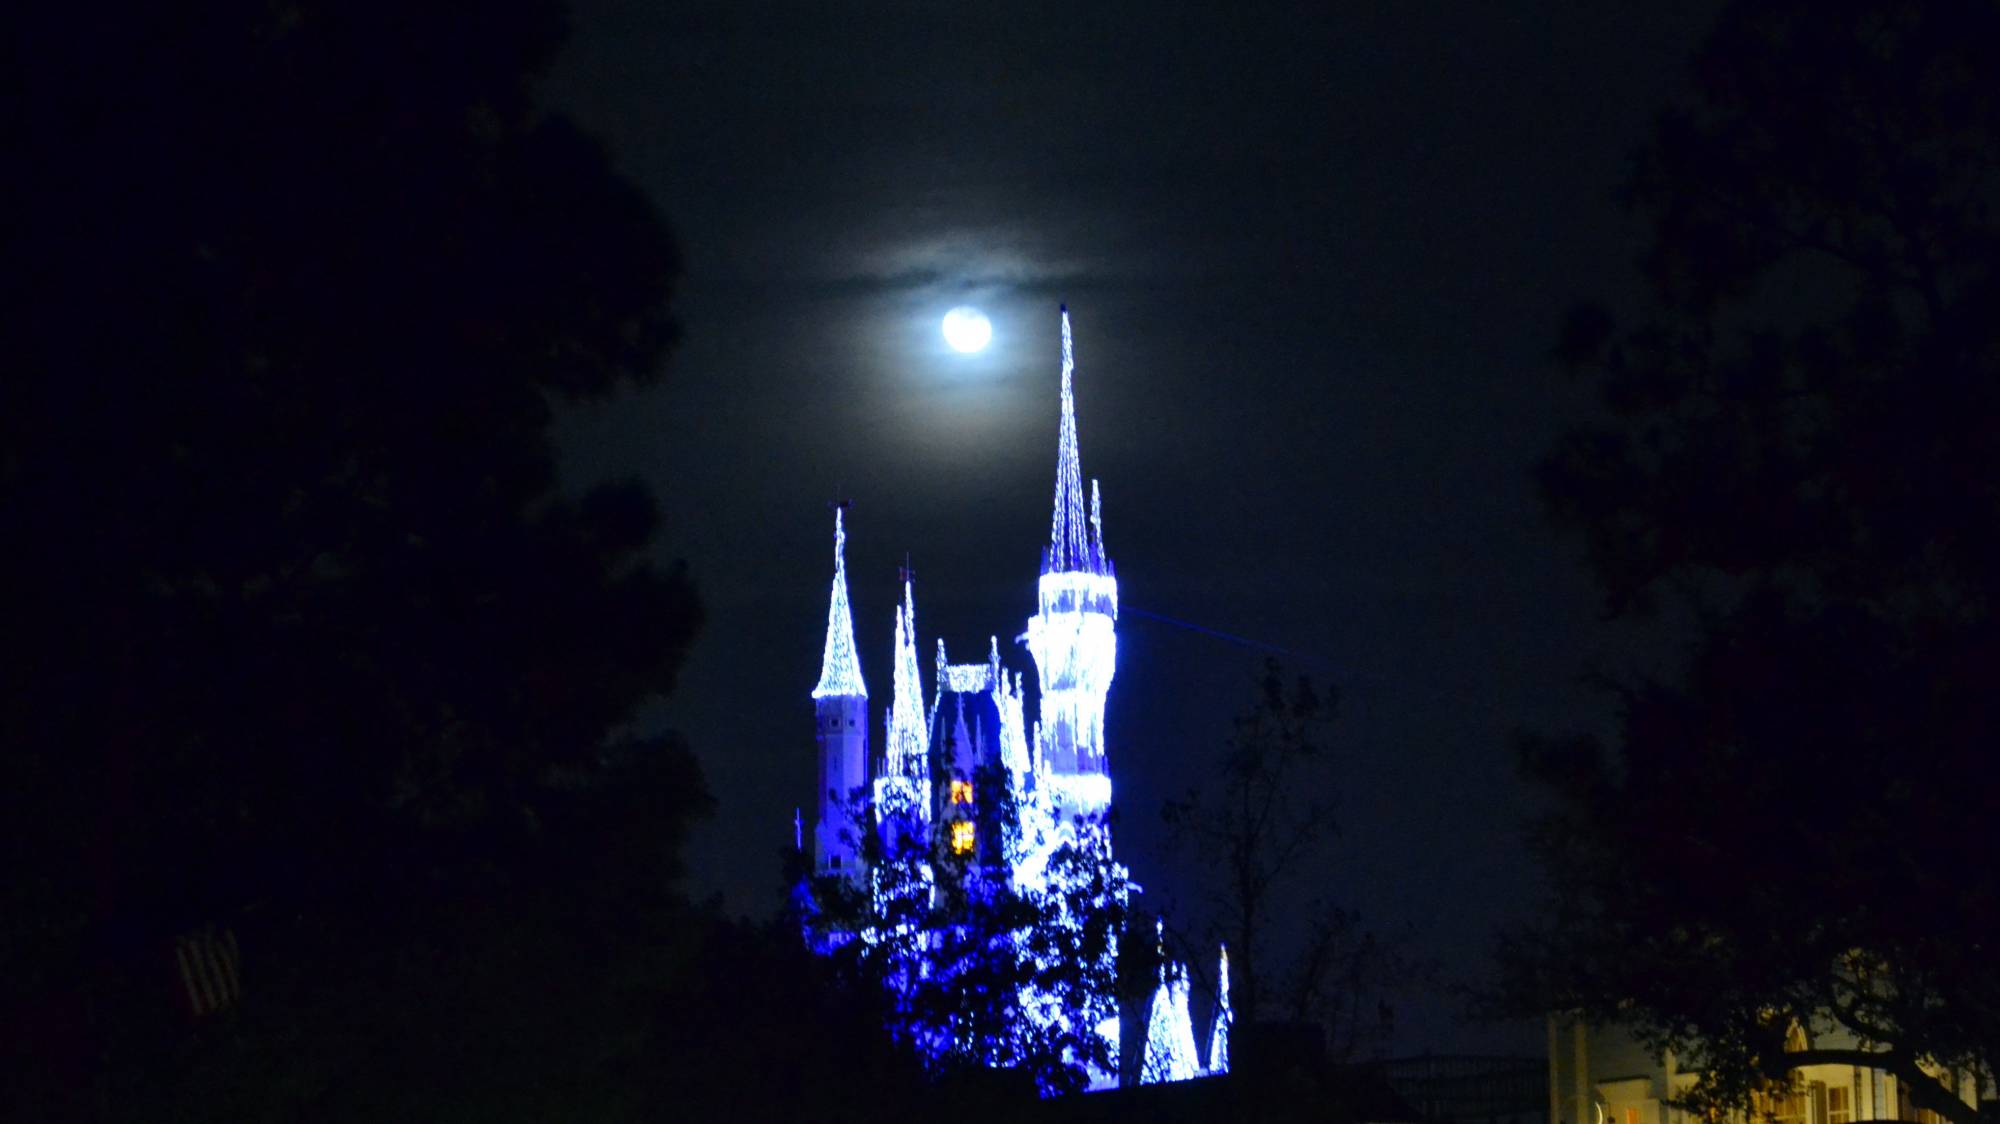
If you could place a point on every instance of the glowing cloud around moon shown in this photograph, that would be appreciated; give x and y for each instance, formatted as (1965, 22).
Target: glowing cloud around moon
(967, 329)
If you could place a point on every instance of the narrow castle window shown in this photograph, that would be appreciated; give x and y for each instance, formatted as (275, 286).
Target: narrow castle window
(961, 792)
(961, 836)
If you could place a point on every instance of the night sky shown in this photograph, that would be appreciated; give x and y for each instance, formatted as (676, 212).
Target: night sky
(1316, 257)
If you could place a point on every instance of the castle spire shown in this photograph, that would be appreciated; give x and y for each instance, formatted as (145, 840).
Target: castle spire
(1070, 541)
(1170, 1053)
(1218, 1035)
(840, 665)
(907, 752)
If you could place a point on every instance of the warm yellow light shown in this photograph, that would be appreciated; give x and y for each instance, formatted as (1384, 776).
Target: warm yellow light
(961, 837)
(961, 792)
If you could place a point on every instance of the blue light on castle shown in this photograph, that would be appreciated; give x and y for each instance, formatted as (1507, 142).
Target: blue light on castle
(920, 831)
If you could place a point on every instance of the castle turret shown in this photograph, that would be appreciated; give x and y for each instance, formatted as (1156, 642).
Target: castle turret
(1073, 635)
(1170, 1054)
(903, 780)
(840, 709)
(1218, 1031)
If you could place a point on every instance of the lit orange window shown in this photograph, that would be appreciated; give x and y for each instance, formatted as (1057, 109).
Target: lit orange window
(961, 792)
(961, 837)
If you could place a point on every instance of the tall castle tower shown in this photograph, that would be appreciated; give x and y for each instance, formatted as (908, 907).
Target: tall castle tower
(840, 708)
(1073, 637)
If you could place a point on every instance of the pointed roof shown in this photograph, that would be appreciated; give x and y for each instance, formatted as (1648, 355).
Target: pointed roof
(1170, 1052)
(1075, 541)
(906, 751)
(840, 665)
(1218, 1034)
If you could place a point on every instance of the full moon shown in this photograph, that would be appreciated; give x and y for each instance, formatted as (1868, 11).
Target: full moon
(967, 329)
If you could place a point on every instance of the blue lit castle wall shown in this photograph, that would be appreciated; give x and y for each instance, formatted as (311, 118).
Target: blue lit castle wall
(977, 747)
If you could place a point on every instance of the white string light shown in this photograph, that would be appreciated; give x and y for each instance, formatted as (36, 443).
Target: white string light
(840, 665)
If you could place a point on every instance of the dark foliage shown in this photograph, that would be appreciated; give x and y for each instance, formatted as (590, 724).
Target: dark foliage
(983, 943)
(1797, 828)
(302, 642)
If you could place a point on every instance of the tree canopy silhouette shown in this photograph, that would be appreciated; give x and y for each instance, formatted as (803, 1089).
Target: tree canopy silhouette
(1264, 830)
(301, 636)
(1798, 467)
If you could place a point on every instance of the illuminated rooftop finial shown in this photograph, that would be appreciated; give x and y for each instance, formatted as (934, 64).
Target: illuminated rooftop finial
(840, 666)
(1072, 546)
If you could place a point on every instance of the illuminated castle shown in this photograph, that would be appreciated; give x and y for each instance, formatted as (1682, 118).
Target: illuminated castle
(929, 782)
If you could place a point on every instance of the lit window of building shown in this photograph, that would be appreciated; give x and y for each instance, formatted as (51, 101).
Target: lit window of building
(961, 837)
(1782, 1105)
(961, 792)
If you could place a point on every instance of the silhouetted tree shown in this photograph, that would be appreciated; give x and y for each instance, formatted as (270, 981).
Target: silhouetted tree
(301, 637)
(1265, 829)
(1796, 826)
